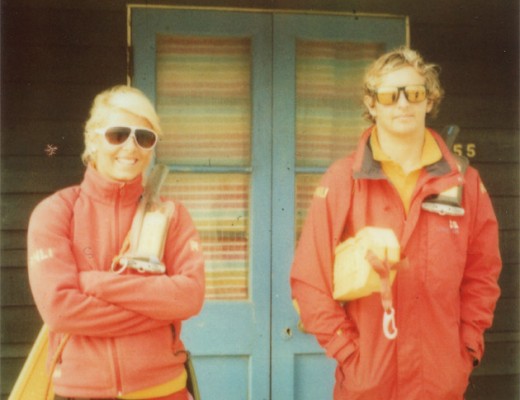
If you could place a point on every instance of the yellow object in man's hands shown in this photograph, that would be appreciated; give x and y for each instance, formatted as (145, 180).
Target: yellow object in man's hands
(354, 277)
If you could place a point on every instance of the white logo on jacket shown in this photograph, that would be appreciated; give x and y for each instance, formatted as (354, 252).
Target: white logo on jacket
(194, 245)
(321, 192)
(454, 226)
(40, 255)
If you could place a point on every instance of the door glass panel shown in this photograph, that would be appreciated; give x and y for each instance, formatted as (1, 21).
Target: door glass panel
(218, 204)
(329, 76)
(204, 100)
(203, 97)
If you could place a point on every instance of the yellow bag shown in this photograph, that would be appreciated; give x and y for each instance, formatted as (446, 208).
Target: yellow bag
(354, 277)
(34, 381)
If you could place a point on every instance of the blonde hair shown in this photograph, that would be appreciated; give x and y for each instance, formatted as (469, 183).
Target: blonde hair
(117, 98)
(399, 58)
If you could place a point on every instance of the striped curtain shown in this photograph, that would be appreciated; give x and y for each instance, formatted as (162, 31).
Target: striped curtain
(329, 108)
(218, 203)
(204, 102)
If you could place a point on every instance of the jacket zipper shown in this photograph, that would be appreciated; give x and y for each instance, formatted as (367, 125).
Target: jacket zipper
(115, 358)
(115, 355)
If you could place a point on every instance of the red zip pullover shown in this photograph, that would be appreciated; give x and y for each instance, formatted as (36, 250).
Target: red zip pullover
(120, 324)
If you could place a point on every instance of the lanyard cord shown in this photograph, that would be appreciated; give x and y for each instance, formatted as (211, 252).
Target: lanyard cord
(115, 266)
(383, 269)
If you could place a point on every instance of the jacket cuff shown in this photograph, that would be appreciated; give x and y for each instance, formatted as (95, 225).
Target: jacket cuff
(474, 342)
(471, 352)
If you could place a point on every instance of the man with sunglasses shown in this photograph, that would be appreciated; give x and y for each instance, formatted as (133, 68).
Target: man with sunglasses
(445, 293)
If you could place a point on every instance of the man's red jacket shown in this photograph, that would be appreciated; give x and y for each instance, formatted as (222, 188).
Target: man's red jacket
(444, 299)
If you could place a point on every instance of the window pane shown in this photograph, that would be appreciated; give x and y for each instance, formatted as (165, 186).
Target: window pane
(329, 76)
(218, 204)
(204, 100)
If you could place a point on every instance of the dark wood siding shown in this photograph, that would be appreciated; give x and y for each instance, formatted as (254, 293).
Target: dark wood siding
(57, 54)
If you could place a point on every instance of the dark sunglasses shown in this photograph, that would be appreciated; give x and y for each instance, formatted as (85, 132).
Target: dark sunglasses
(118, 135)
(388, 95)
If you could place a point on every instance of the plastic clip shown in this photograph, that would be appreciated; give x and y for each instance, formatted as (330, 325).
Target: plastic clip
(389, 328)
(118, 267)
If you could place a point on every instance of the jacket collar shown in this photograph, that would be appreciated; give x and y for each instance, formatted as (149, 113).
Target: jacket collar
(106, 191)
(366, 167)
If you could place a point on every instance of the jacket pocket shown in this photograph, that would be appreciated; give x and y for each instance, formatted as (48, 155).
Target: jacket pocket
(84, 365)
(367, 377)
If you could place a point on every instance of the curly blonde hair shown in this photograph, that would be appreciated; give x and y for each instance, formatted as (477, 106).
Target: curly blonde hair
(117, 98)
(399, 58)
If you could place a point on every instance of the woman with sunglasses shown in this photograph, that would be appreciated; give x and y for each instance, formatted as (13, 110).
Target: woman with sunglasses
(444, 292)
(124, 327)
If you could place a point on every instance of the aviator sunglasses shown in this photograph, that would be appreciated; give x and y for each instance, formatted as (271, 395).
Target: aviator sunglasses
(388, 95)
(145, 138)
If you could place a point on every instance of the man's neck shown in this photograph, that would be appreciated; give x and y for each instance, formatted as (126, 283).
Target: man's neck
(405, 150)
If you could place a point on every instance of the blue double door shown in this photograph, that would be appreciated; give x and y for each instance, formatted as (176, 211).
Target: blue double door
(254, 106)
